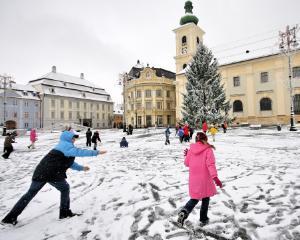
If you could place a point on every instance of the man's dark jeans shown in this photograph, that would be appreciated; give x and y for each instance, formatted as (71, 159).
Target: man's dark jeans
(189, 206)
(35, 187)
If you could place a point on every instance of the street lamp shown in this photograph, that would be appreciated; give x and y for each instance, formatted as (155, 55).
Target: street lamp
(123, 78)
(5, 83)
(288, 41)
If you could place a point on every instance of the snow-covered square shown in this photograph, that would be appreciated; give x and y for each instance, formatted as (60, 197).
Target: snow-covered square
(133, 193)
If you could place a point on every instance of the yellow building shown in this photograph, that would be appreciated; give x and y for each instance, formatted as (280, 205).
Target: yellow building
(258, 88)
(149, 97)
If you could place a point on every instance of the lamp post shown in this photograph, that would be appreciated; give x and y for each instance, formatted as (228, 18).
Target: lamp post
(5, 82)
(288, 41)
(123, 78)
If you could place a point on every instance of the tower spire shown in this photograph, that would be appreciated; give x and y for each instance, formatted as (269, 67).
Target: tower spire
(188, 17)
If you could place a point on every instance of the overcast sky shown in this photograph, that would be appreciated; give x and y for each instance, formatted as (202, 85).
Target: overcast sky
(104, 38)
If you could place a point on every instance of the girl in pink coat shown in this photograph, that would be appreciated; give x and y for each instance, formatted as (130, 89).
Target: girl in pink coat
(33, 138)
(203, 177)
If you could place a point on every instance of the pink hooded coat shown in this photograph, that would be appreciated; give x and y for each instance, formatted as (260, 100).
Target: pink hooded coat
(33, 135)
(201, 162)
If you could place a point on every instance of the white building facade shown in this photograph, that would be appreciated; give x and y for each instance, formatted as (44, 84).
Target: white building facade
(70, 100)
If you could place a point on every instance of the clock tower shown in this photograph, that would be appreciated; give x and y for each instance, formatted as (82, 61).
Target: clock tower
(188, 36)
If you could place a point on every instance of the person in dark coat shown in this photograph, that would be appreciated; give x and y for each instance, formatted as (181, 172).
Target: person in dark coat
(88, 135)
(52, 169)
(130, 129)
(8, 147)
(95, 139)
(123, 142)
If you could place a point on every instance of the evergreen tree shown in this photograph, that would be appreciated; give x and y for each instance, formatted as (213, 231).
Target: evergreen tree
(205, 96)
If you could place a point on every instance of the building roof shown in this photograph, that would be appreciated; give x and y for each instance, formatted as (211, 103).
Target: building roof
(135, 72)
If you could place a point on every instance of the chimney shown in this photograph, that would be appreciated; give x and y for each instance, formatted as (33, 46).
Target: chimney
(54, 69)
(138, 62)
(81, 75)
(147, 64)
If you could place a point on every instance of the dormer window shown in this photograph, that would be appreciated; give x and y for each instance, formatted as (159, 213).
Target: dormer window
(83, 95)
(183, 41)
(52, 90)
(25, 93)
(65, 84)
(148, 75)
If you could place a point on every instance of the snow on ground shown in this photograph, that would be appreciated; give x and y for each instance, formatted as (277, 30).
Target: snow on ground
(133, 193)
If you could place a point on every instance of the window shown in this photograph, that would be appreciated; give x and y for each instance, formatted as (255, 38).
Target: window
(62, 115)
(70, 104)
(198, 40)
(103, 107)
(237, 106)
(26, 114)
(83, 95)
(36, 104)
(264, 77)
(84, 105)
(169, 119)
(148, 75)
(52, 90)
(139, 120)
(52, 115)
(97, 106)
(159, 120)
(236, 81)
(103, 116)
(78, 104)
(168, 105)
(15, 102)
(52, 103)
(138, 106)
(183, 41)
(168, 94)
(84, 115)
(297, 104)
(265, 104)
(26, 104)
(97, 115)
(131, 95)
(148, 93)
(132, 107)
(65, 84)
(158, 93)
(62, 103)
(138, 94)
(296, 72)
(159, 105)
(15, 115)
(70, 115)
(184, 66)
(25, 93)
(148, 105)
(148, 120)
(25, 125)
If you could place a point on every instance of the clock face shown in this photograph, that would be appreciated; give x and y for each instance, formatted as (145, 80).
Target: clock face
(184, 50)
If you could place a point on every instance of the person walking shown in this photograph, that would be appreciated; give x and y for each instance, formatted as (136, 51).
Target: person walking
(95, 139)
(180, 134)
(52, 169)
(204, 126)
(8, 147)
(88, 135)
(203, 177)
(123, 142)
(213, 131)
(33, 138)
(167, 134)
(186, 134)
(224, 126)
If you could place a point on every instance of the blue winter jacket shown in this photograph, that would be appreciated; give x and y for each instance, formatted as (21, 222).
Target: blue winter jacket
(67, 147)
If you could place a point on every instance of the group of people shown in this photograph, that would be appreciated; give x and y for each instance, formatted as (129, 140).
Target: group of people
(92, 138)
(199, 158)
(184, 133)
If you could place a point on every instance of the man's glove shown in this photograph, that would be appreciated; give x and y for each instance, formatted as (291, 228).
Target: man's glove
(218, 182)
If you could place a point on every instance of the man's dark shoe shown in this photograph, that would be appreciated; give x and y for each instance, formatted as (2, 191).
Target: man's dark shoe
(8, 220)
(65, 213)
(204, 222)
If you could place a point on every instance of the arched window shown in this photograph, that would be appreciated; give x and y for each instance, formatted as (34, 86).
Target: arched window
(297, 104)
(237, 106)
(183, 41)
(184, 66)
(265, 104)
(198, 40)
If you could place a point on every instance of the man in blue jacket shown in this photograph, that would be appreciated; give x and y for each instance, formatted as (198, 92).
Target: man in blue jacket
(52, 169)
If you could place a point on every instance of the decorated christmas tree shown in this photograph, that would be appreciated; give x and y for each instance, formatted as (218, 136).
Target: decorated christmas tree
(205, 96)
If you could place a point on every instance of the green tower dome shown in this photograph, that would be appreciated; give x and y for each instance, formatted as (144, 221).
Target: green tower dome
(188, 17)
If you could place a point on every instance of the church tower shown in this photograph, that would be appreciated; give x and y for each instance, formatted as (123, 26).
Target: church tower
(188, 36)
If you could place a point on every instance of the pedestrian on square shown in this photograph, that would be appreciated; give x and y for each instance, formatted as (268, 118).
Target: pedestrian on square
(167, 134)
(204, 126)
(203, 177)
(33, 138)
(186, 134)
(52, 169)
(123, 142)
(88, 135)
(8, 147)
(213, 131)
(224, 126)
(191, 130)
(180, 134)
(95, 139)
